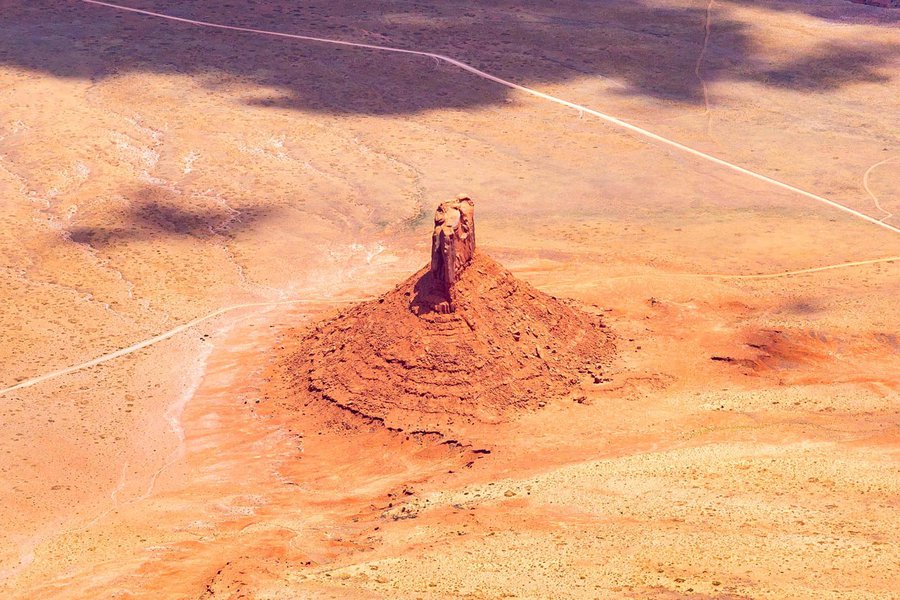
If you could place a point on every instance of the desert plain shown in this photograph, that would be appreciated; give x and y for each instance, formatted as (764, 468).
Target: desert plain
(187, 203)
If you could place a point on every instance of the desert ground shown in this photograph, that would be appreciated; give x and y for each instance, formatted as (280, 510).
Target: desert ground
(194, 200)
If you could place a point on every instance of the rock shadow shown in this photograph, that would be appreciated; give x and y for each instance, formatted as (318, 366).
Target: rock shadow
(425, 295)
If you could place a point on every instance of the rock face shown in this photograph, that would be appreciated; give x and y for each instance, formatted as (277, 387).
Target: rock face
(452, 248)
(406, 361)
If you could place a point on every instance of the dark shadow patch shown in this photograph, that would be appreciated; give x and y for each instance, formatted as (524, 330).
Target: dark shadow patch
(425, 296)
(154, 214)
(800, 307)
(829, 67)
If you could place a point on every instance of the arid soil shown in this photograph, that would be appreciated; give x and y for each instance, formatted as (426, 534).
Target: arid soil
(741, 441)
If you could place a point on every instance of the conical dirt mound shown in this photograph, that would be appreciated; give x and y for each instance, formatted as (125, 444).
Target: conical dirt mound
(507, 347)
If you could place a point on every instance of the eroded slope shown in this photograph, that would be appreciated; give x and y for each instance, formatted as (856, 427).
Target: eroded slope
(507, 346)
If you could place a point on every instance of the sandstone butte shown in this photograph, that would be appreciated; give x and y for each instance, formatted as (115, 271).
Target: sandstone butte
(462, 340)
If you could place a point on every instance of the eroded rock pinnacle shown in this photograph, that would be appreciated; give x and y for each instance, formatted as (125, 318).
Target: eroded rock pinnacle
(452, 247)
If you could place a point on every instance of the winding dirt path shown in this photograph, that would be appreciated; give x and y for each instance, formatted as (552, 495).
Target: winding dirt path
(887, 215)
(515, 86)
(707, 31)
(843, 265)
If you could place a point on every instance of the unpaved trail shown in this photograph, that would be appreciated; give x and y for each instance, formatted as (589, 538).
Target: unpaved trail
(707, 31)
(163, 336)
(887, 214)
(844, 265)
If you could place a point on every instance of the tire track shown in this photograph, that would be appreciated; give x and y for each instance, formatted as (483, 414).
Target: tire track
(887, 215)
(707, 32)
(161, 337)
(843, 265)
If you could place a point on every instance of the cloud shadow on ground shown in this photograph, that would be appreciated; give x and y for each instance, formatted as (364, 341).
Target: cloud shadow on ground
(151, 215)
(645, 49)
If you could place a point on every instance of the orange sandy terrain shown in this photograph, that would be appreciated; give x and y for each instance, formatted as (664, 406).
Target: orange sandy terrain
(739, 440)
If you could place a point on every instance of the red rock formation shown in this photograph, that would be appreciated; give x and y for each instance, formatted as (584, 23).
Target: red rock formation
(406, 361)
(452, 248)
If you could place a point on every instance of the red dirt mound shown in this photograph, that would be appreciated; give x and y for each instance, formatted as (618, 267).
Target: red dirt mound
(506, 347)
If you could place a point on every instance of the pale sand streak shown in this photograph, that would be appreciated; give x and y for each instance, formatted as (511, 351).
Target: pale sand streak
(516, 86)
(163, 336)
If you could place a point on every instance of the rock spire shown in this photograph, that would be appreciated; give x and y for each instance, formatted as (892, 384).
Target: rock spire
(452, 249)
